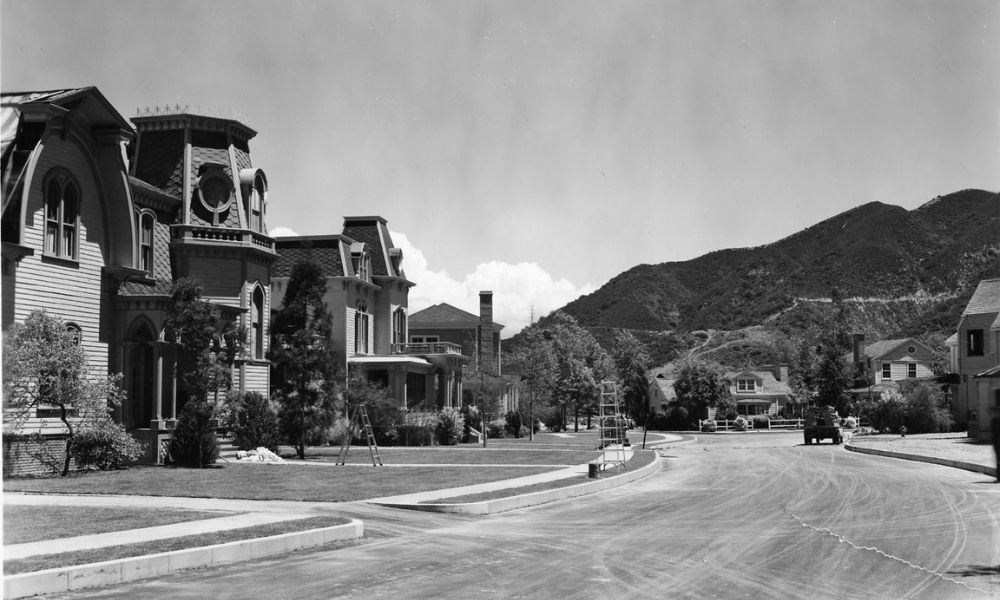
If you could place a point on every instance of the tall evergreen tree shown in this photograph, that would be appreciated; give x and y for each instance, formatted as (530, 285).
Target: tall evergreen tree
(834, 373)
(304, 360)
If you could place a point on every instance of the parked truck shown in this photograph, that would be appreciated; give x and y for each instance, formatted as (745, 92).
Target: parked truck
(822, 423)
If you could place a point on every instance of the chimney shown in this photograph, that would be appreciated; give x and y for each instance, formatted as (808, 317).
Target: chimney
(486, 359)
(858, 344)
(783, 372)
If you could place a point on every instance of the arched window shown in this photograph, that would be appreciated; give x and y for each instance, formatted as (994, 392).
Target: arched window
(257, 322)
(361, 328)
(256, 212)
(62, 216)
(147, 222)
(75, 331)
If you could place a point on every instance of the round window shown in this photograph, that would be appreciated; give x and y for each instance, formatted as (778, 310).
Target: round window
(215, 192)
(911, 349)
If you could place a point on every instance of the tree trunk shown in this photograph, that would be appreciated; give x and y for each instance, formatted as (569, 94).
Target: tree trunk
(64, 416)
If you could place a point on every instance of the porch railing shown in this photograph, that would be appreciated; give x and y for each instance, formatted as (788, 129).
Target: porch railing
(427, 348)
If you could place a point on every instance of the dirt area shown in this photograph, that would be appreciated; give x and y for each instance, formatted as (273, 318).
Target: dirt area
(954, 446)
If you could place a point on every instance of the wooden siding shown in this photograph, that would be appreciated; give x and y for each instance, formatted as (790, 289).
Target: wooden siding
(70, 291)
(258, 378)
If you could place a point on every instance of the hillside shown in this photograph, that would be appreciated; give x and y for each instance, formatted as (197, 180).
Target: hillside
(903, 272)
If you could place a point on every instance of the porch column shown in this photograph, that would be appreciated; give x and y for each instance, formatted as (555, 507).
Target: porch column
(158, 381)
(128, 413)
(173, 385)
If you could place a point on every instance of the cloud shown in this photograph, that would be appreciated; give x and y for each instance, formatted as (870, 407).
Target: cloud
(518, 289)
(282, 232)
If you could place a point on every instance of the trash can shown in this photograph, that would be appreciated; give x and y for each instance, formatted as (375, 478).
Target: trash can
(593, 470)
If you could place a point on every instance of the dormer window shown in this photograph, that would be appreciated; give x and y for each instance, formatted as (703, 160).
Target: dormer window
(746, 385)
(215, 192)
(361, 262)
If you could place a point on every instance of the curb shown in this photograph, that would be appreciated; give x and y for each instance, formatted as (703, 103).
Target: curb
(488, 507)
(955, 464)
(65, 579)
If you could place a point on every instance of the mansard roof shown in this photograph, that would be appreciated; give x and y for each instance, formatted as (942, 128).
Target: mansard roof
(372, 230)
(327, 251)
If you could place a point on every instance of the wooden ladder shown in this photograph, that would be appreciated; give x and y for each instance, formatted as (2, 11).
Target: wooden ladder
(609, 426)
(359, 420)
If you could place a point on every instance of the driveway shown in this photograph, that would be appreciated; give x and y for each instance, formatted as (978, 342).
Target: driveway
(729, 516)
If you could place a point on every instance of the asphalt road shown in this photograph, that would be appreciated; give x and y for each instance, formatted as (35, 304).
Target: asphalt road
(749, 516)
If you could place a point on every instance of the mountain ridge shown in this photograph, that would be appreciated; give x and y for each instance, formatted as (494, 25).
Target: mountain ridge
(915, 269)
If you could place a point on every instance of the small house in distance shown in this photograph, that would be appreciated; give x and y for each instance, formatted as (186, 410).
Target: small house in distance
(760, 392)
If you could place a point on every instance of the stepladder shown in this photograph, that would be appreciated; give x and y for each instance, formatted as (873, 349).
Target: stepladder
(611, 429)
(359, 422)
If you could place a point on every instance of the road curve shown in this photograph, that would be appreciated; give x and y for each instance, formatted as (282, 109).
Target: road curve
(729, 516)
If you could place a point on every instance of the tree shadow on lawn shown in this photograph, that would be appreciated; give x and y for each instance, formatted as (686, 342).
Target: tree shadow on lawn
(976, 571)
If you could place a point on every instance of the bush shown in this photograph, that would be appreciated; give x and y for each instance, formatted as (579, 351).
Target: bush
(470, 421)
(927, 411)
(105, 446)
(193, 443)
(413, 434)
(450, 427)
(850, 423)
(338, 431)
(761, 422)
(252, 422)
(740, 424)
(497, 428)
(709, 426)
(885, 414)
(513, 424)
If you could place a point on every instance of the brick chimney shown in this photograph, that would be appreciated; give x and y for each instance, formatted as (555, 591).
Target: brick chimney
(858, 345)
(486, 359)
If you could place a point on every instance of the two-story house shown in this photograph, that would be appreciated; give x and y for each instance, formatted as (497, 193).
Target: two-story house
(975, 358)
(367, 295)
(890, 362)
(477, 336)
(760, 391)
(101, 216)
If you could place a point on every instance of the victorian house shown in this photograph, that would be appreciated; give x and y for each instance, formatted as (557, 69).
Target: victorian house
(367, 295)
(101, 216)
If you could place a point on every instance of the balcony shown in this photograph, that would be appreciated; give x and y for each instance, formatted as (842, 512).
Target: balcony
(196, 234)
(428, 348)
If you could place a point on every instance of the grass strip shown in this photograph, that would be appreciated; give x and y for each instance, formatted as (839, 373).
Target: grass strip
(639, 459)
(256, 481)
(24, 523)
(83, 557)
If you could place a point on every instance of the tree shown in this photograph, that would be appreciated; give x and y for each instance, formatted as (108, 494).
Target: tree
(632, 362)
(211, 347)
(833, 374)
(304, 360)
(534, 360)
(45, 367)
(698, 386)
(580, 366)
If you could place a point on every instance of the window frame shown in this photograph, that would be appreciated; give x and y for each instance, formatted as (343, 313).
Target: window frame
(56, 224)
(974, 339)
(257, 322)
(746, 385)
(911, 370)
(886, 371)
(146, 258)
(361, 325)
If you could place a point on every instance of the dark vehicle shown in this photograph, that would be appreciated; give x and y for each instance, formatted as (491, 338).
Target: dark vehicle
(822, 423)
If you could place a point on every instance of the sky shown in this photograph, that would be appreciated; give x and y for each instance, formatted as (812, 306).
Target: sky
(537, 149)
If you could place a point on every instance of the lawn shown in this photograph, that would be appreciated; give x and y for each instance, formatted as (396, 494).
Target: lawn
(36, 523)
(258, 481)
(83, 557)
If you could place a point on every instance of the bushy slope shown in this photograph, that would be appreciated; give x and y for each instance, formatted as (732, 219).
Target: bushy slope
(919, 265)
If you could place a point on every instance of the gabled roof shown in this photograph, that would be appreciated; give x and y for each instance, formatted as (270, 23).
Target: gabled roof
(769, 385)
(985, 300)
(883, 347)
(666, 387)
(445, 316)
